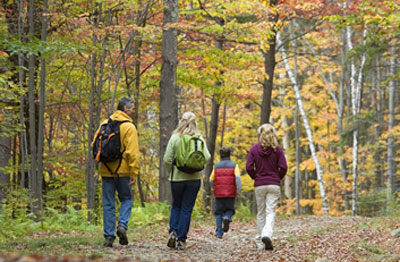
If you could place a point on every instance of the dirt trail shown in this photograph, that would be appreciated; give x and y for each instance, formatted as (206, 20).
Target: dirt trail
(296, 239)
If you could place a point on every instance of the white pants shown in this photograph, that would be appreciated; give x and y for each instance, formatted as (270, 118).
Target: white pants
(267, 198)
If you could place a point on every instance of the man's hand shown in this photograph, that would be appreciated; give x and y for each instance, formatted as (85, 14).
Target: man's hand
(132, 181)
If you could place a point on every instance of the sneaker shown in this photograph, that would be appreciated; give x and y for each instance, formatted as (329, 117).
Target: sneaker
(172, 240)
(218, 236)
(226, 222)
(268, 243)
(121, 233)
(181, 245)
(109, 240)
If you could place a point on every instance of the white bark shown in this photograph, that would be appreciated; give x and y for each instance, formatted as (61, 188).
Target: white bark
(356, 88)
(306, 126)
(285, 143)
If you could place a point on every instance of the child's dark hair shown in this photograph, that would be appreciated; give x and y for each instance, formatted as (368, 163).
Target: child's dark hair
(225, 151)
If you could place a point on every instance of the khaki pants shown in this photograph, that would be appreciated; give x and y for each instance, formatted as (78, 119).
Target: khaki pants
(267, 198)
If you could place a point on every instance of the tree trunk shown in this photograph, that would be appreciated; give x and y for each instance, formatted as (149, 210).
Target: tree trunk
(298, 160)
(204, 118)
(342, 84)
(90, 165)
(285, 139)
(21, 80)
(308, 129)
(223, 126)
(391, 171)
(35, 192)
(377, 98)
(211, 148)
(5, 154)
(136, 53)
(356, 87)
(168, 92)
(42, 99)
(269, 66)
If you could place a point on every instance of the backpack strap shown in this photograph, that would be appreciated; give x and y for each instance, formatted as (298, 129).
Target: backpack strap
(116, 170)
(120, 160)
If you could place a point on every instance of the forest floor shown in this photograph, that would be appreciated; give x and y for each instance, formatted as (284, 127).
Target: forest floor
(309, 238)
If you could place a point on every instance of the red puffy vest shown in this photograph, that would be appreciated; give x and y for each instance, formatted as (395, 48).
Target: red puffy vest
(224, 179)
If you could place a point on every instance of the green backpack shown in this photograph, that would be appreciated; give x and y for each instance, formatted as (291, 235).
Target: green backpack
(190, 154)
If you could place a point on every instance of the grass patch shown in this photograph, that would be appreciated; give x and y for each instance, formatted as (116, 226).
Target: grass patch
(366, 249)
(61, 245)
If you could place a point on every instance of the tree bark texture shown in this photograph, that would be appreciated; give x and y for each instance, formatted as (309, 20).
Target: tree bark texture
(211, 139)
(391, 170)
(5, 154)
(90, 165)
(168, 92)
(35, 191)
(42, 101)
(269, 67)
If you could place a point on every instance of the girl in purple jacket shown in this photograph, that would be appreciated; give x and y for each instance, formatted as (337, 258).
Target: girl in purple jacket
(266, 165)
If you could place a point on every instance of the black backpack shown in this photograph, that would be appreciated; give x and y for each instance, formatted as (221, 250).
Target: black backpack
(107, 145)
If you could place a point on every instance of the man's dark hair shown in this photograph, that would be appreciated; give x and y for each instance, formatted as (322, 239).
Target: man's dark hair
(125, 101)
(225, 151)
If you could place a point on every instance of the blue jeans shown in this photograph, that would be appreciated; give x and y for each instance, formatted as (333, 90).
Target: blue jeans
(121, 185)
(224, 207)
(184, 194)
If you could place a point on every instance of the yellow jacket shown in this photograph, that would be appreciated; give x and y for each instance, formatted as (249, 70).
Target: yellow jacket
(129, 142)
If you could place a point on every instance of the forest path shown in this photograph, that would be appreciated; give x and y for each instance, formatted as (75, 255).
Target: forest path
(296, 239)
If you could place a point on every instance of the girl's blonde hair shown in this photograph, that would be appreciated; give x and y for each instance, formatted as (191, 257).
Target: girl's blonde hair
(187, 125)
(267, 137)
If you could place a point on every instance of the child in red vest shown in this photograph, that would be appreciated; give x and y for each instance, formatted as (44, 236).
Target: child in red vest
(225, 179)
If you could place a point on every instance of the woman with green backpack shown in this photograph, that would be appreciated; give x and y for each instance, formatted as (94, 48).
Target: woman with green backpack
(185, 157)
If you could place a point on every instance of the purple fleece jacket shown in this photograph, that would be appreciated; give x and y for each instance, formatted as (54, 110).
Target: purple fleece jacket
(266, 166)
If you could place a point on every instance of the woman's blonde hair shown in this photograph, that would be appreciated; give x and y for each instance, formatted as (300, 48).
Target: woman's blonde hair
(187, 125)
(267, 137)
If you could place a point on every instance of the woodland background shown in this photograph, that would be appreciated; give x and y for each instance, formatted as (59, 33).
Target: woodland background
(325, 73)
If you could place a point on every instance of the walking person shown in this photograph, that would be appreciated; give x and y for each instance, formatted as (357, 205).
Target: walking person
(266, 165)
(119, 175)
(184, 186)
(225, 179)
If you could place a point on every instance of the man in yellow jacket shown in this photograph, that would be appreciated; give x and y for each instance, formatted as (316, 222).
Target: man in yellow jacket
(125, 177)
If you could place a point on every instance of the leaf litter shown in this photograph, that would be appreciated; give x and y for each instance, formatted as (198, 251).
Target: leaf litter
(313, 238)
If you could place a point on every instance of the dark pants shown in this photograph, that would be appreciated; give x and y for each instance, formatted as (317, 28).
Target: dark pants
(184, 194)
(224, 207)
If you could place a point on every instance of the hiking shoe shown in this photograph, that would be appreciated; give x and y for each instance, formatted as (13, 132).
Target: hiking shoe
(109, 240)
(218, 236)
(226, 222)
(121, 233)
(172, 240)
(268, 243)
(181, 245)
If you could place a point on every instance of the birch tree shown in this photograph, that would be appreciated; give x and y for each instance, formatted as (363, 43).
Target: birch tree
(338, 99)
(306, 125)
(356, 88)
